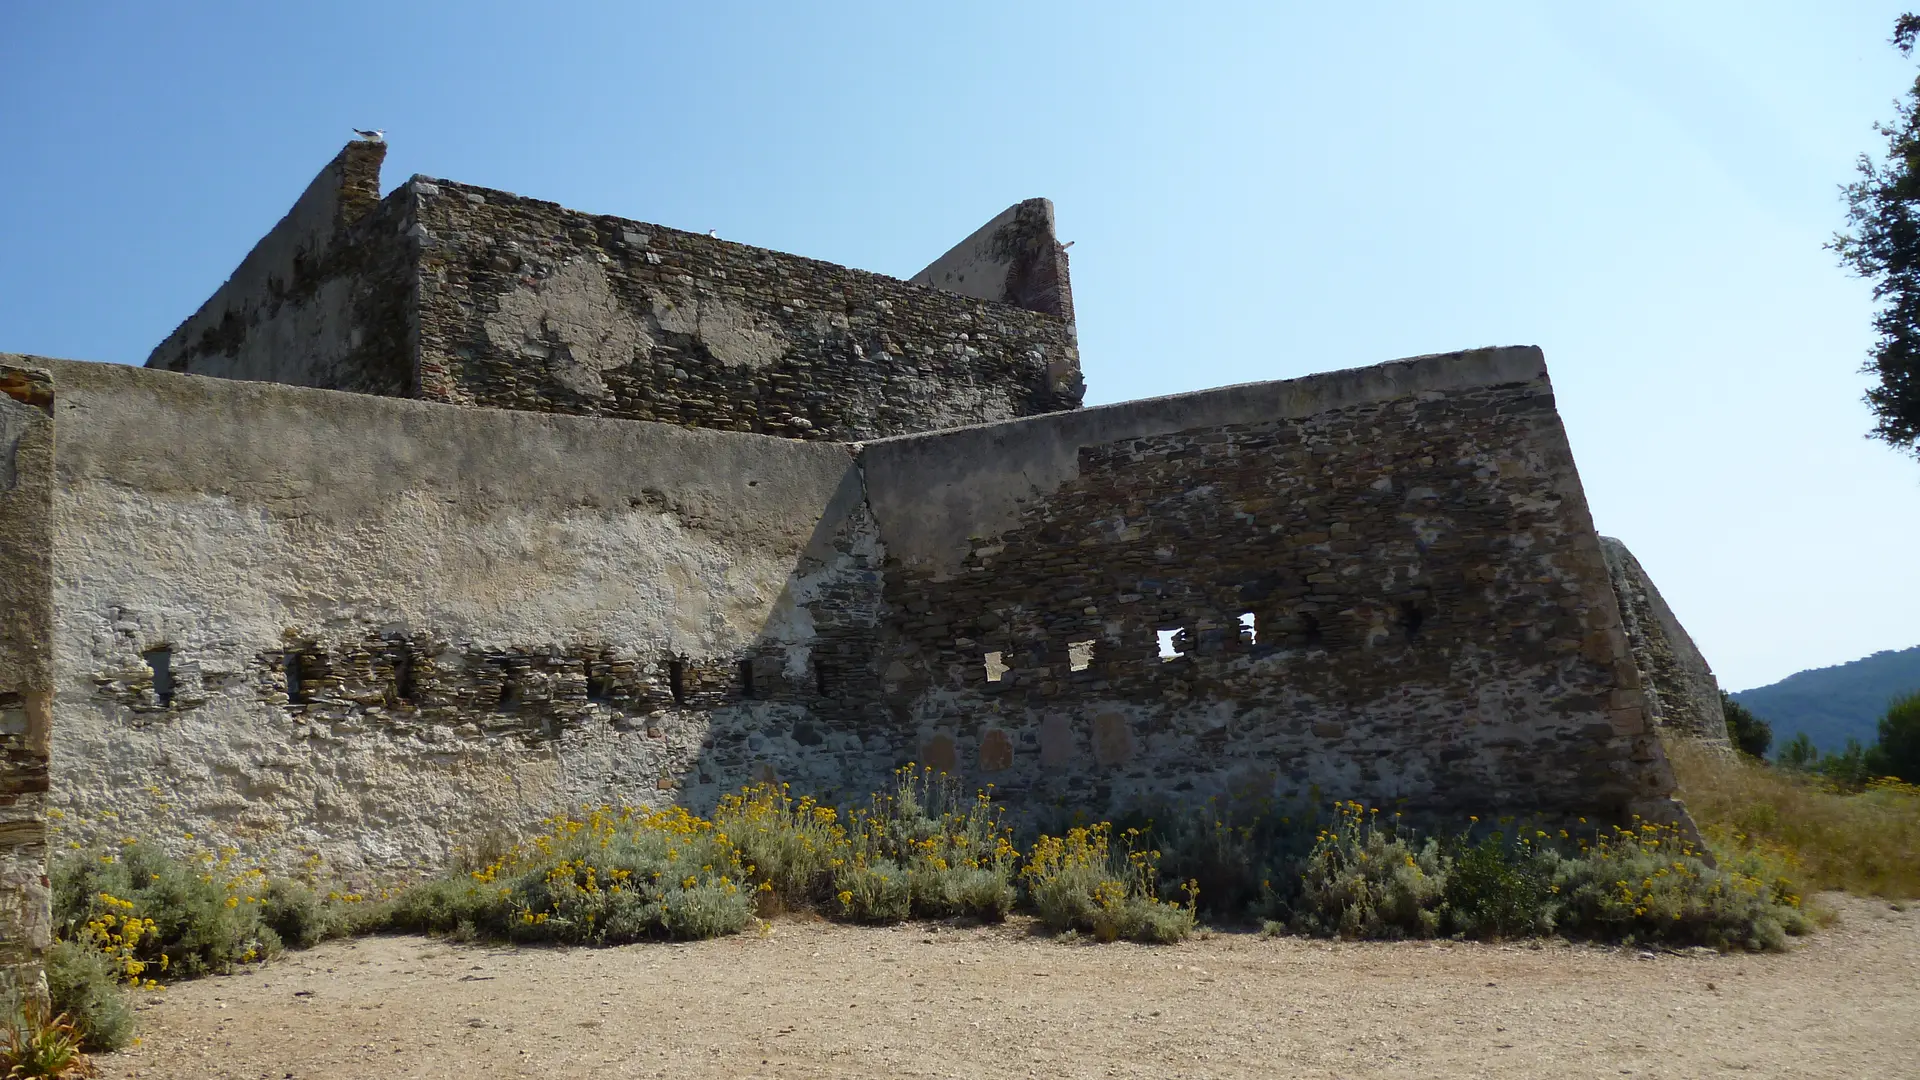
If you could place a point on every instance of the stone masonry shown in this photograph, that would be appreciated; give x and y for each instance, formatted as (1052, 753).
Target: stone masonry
(26, 673)
(1682, 693)
(495, 509)
(470, 296)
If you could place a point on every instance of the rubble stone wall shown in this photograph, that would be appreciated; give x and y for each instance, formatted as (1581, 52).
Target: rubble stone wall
(1379, 584)
(26, 671)
(528, 305)
(1682, 694)
(471, 296)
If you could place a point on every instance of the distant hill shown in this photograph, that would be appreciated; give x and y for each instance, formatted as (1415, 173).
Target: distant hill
(1834, 704)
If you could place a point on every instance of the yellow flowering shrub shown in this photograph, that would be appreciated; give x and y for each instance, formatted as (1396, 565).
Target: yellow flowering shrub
(604, 877)
(1084, 881)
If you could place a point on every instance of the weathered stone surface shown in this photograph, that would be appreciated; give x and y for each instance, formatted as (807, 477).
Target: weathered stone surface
(385, 625)
(471, 296)
(1432, 624)
(26, 670)
(489, 615)
(1681, 693)
(323, 299)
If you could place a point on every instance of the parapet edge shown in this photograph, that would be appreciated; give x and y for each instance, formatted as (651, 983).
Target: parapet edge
(921, 487)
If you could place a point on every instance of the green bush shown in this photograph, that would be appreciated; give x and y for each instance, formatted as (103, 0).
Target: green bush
(791, 847)
(1243, 860)
(923, 849)
(1897, 753)
(83, 985)
(297, 915)
(1749, 734)
(38, 1045)
(1499, 888)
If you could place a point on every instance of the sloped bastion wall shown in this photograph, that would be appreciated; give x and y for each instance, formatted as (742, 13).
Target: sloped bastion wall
(297, 621)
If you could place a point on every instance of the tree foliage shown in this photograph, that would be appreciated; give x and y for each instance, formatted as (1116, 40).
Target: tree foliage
(1883, 243)
(1898, 751)
(1749, 734)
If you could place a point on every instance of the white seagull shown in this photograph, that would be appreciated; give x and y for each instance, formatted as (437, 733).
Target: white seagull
(376, 135)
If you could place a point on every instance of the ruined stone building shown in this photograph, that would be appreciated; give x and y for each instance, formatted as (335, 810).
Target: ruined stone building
(453, 508)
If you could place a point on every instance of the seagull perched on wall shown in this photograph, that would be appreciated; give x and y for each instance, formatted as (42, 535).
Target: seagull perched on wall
(376, 135)
(715, 233)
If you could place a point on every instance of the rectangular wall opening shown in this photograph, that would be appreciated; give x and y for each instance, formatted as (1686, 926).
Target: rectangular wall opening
(746, 679)
(509, 697)
(677, 680)
(160, 662)
(1171, 642)
(996, 670)
(820, 678)
(1079, 655)
(1249, 629)
(599, 684)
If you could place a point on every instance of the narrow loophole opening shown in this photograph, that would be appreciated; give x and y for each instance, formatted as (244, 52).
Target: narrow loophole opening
(403, 674)
(820, 678)
(509, 697)
(1410, 619)
(296, 678)
(996, 669)
(1249, 629)
(677, 680)
(160, 662)
(746, 679)
(1079, 655)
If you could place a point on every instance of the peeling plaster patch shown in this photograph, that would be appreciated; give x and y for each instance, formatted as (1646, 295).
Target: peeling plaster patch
(574, 321)
(732, 334)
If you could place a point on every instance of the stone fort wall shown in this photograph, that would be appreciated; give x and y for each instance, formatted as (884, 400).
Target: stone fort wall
(26, 673)
(470, 296)
(292, 620)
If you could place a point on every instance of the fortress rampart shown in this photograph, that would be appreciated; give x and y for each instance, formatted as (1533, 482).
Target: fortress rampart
(498, 509)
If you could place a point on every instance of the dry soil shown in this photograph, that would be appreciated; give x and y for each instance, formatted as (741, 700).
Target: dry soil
(812, 999)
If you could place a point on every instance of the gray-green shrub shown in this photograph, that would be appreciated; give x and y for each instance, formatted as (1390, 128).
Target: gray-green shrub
(82, 984)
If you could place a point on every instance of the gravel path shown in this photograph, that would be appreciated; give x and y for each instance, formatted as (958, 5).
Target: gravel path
(820, 1000)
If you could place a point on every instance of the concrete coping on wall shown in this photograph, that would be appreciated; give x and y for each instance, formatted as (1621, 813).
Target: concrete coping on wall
(933, 491)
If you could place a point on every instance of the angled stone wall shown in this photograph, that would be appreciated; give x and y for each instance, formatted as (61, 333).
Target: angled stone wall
(324, 299)
(26, 670)
(1682, 694)
(1378, 584)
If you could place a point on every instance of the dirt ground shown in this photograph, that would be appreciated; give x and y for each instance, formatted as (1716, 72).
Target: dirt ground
(813, 999)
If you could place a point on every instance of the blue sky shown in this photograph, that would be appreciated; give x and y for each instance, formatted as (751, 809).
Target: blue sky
(1254, 191)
